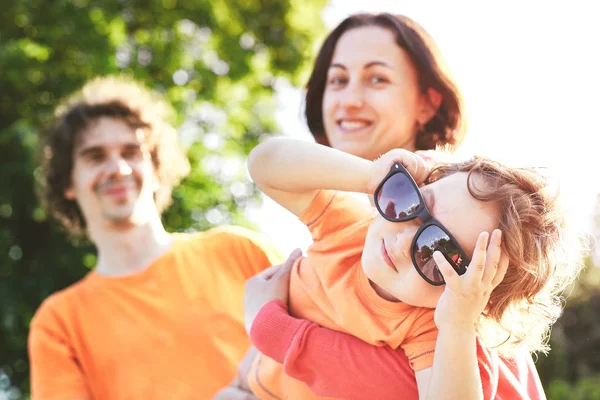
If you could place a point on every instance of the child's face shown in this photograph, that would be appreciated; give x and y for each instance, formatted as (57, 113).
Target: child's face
(450, 202)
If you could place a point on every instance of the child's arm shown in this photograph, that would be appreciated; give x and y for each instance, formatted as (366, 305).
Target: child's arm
(455, 374)
(291, 172)
(455, 371)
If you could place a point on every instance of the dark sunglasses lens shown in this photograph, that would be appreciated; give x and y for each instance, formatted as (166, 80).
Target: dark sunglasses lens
(431, 239)
(397, 197)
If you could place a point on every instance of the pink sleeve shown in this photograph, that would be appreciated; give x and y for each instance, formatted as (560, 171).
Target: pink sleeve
(332, 364)
(488, 371)
(515, 379)
(519, 378)
(535, 390)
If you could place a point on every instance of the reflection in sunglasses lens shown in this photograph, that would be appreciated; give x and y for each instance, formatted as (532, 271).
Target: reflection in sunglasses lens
(431, 239)
(397, 197)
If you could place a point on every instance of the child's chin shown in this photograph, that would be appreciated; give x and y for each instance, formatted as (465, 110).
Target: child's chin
(419, 300)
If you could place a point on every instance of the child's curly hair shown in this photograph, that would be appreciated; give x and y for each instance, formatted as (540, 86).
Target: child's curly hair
(118, 98)
(544, 254)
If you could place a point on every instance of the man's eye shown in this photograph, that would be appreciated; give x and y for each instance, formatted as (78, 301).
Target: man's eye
(96, 157)
(132, 153)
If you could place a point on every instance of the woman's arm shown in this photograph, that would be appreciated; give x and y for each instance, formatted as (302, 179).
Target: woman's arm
(332, 364)
(291, 172)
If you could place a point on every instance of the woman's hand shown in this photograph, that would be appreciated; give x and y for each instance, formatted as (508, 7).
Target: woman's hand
(271, 284)
(466, 296)
(414, 164)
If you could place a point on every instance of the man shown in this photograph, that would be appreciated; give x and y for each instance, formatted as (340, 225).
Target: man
(161, 315)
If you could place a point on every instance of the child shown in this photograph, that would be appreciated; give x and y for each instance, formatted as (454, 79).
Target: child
(379, 277)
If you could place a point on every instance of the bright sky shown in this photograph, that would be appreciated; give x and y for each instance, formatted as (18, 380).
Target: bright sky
(530, 74)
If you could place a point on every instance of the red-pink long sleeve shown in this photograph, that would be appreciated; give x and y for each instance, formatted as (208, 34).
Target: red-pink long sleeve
(332, 364)
(335, 364)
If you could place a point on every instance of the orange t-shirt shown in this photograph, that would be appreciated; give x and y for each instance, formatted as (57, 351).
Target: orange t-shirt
(173, 331)
(330, 288)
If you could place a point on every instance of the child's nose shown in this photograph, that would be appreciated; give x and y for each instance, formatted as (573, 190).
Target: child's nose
(405, 236)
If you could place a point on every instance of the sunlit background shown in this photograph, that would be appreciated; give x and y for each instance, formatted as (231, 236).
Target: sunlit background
(529, 71)
(530, 74)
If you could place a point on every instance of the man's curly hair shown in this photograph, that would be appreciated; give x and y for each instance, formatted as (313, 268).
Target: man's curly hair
(118, 98)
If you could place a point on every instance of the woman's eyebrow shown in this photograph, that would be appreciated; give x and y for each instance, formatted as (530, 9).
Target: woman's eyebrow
(338, 65)
(370, 64)
(377, 63)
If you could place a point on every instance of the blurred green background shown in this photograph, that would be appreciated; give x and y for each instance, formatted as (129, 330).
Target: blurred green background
(217, 61)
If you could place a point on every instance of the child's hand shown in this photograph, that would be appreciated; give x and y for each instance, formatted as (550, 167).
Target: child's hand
(432, 157)
(466, 297)
(413, 163)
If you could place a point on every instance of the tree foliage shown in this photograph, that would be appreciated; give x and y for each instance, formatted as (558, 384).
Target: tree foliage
(572, 368)
(217, 61)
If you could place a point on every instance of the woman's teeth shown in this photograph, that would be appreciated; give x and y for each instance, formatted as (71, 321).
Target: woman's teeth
(351, 125)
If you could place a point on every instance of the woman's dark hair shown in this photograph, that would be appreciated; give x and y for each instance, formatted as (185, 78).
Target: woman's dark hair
(446, 127)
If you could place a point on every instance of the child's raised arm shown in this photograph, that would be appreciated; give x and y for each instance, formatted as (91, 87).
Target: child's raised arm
(291, 172)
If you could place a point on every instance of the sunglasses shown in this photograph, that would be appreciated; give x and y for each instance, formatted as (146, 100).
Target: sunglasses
(399, 199)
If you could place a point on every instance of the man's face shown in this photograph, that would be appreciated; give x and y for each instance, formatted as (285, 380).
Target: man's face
(113, 179)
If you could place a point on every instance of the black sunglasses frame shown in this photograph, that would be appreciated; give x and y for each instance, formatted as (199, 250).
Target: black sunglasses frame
(423, 213)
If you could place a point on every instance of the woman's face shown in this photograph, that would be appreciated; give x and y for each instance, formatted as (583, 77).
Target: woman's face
(372, 102)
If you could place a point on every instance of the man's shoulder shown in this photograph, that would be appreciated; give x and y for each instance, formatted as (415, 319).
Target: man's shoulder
(57, 306)
(232, 241)
(227, 236)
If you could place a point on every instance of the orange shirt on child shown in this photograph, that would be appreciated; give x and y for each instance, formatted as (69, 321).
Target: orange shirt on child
(330, 288)
(172, 331)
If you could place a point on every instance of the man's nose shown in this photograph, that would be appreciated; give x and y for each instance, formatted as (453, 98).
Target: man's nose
(118, 167)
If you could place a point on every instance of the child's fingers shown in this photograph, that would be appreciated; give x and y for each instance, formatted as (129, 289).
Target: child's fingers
(501, 271)
(476, 267)
(413, 163)
(422, 170)
(382, 166)
(492, 258)
(450, 275)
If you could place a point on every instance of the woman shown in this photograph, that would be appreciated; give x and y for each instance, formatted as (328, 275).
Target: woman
(378, 83)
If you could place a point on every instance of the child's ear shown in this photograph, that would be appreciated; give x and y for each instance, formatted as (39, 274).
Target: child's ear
(431, 102)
